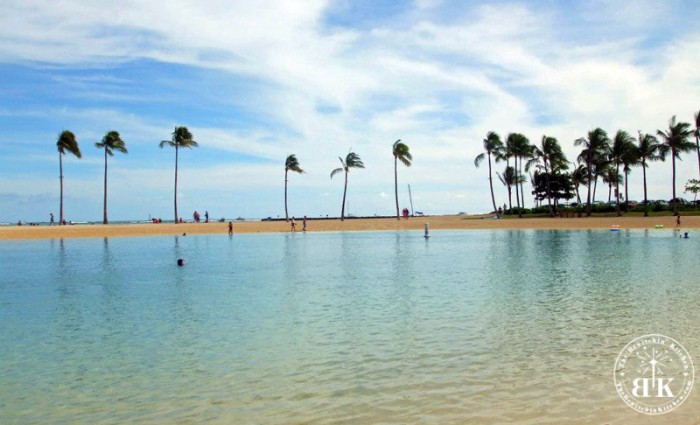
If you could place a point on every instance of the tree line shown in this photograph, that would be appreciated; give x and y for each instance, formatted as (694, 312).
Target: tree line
(67, 143)
(605, 158)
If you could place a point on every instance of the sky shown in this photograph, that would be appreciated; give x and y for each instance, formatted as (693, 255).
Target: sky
(257, 81)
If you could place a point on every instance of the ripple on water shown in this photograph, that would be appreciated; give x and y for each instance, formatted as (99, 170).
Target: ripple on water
(468, 327)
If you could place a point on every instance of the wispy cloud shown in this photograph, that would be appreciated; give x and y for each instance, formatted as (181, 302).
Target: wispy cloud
(256, 81)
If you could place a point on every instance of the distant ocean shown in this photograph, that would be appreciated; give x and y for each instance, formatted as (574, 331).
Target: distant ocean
(482, 327)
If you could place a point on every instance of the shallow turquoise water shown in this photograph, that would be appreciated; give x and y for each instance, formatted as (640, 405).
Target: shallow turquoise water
(327, 328)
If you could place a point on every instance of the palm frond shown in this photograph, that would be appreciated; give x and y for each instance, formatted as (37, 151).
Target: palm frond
(181, 138)
(111, 142)
(336, 171)
(68, 143)
(352, 160)
(292, 164)
(401, 152)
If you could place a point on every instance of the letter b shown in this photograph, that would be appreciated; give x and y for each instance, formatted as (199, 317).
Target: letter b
(644, 386)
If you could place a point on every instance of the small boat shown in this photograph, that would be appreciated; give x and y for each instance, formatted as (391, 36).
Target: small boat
(615, 228)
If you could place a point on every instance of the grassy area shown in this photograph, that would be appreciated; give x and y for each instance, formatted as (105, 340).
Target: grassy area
(633, 213)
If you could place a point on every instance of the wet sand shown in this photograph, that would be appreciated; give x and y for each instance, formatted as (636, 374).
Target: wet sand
(335, 225)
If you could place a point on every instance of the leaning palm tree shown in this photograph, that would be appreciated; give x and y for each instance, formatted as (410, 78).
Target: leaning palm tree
(593, 147)
(401, 153)
(675, 141)
(648, 149)
(352, 160)
(291, 164)
(66, 143)
(492, 146)
(110, 143)
(182, 138)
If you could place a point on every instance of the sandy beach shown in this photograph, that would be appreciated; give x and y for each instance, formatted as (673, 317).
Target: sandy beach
(360, 224)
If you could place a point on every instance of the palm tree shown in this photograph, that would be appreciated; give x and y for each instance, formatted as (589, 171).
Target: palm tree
(675, 140)
(629, 159)
(613, 178)
(579, 177)
(66, 143)
(648, 149)
(509, 178)
(182, 138)
(620, 148)
(519, 147)
(291, 164)
(401, 153)
(697, 136)
(492, 146)
(352, 160)
(593, 147)
(111, 142)
(553, 160)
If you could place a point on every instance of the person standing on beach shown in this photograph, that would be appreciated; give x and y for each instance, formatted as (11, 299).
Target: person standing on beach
(51, 214)
(678, 220)
(230, 227)
(303, 222)
(206, 216)
(294, 225)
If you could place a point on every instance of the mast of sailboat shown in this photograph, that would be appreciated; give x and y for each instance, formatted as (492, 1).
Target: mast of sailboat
(410, 198)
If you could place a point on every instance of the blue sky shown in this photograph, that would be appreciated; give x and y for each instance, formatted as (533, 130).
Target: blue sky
(256, 81)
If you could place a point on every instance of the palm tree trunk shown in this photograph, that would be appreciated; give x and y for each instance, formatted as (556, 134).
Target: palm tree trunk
(60, 178)
(104, 206)
(345, 191)
(517, 192)
(493, 197)
(396, 186)
(595, 186)
(627, 198)
(510, 199)
(510, 190)
(617, 191)
(588, 201)
(549, 190)
(176, 151)
(697, 147)
(578, 196)
(644, 176)
(522, 191)
(286, 214)
(673, 158)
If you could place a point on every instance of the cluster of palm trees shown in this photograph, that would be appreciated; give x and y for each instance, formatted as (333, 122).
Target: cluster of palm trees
(182, 138)
(601, 157)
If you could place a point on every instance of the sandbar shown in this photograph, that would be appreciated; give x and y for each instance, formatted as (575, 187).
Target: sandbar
(455, 222)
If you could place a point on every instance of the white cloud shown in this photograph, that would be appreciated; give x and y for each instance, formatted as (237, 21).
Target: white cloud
(317, 90)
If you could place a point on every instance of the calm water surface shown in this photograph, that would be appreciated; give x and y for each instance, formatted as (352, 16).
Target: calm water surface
(339, 328)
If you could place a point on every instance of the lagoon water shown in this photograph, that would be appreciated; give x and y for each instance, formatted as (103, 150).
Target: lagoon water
(339, 328)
